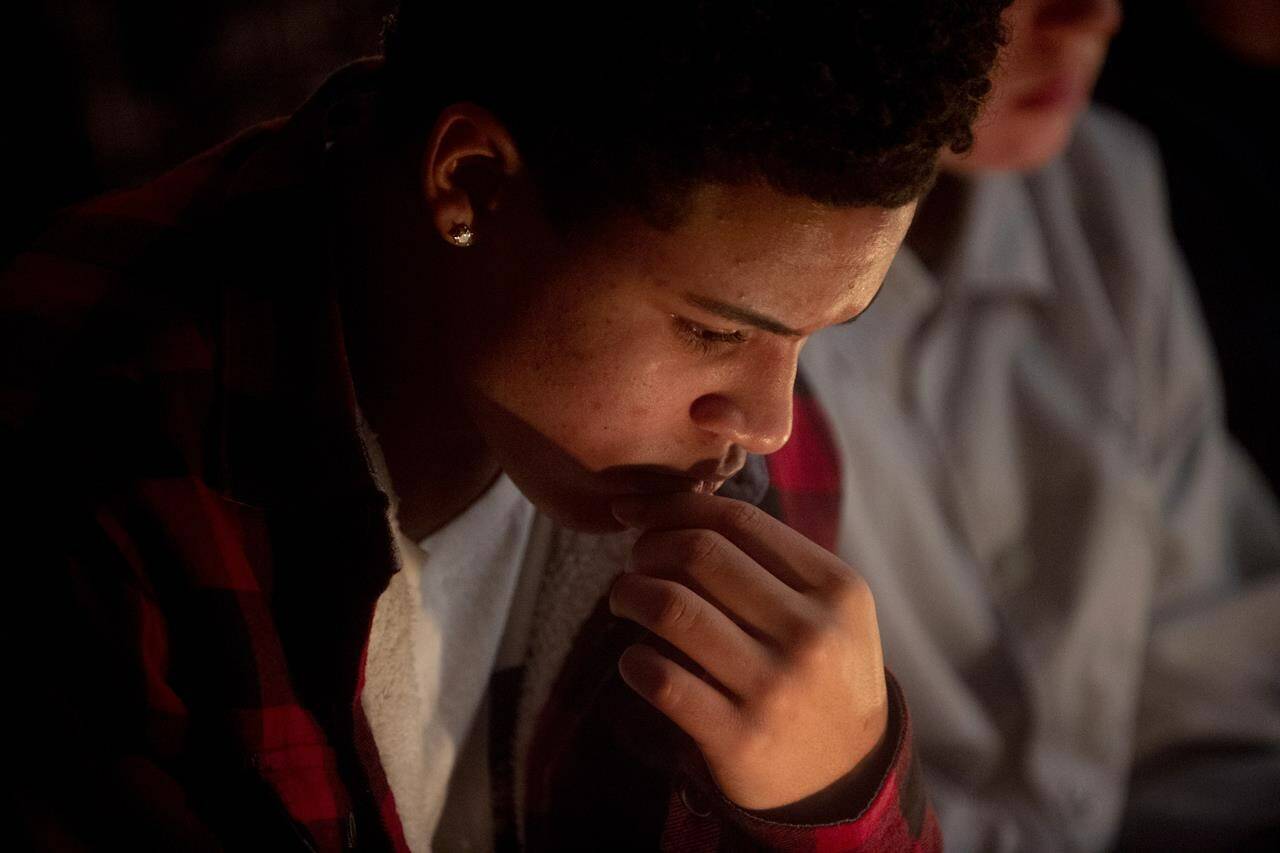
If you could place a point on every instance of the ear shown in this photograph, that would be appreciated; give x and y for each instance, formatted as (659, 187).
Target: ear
(468, 158)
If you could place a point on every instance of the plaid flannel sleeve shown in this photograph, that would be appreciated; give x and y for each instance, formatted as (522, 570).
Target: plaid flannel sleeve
(99, 721)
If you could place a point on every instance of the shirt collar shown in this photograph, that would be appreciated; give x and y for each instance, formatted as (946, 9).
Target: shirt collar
(999, 246)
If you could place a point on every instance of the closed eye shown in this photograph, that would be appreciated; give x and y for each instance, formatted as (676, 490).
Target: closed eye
(703, 339)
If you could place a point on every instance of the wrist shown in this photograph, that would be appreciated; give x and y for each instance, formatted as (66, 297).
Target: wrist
(846, 797)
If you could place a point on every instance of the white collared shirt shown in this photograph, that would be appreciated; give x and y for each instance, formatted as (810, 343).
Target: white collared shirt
(1039, 488)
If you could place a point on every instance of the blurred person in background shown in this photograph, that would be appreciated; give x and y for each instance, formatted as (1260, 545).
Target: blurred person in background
(284, 430)
(1021, 446)
(1204, 77)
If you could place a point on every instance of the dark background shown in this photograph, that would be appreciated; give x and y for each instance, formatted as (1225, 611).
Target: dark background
(100, 94)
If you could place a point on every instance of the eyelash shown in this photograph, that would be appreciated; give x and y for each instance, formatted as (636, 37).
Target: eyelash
(705, 340)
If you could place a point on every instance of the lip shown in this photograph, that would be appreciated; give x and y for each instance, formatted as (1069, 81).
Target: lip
(655, 482)
(707, 487)
(703, 478)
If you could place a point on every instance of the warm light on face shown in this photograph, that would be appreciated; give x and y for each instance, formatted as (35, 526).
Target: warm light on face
(654, 360)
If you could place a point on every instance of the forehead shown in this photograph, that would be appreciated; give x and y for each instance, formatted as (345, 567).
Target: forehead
(756, 244)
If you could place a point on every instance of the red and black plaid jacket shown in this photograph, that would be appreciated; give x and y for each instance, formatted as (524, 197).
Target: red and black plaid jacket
(197, 544)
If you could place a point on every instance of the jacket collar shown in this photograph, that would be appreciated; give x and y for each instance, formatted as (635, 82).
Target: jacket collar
(298, 144)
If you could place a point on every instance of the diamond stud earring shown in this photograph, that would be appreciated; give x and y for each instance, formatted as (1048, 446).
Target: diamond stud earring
(462, 235)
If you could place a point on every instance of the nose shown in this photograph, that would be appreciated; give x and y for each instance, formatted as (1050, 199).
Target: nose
(1100, 16)
(755, 416)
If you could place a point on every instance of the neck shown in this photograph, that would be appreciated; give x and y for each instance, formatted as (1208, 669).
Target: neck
(391, 274)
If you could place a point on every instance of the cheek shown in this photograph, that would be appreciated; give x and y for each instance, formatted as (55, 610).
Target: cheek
(1009, 135)
(622, 402)
(606, 389)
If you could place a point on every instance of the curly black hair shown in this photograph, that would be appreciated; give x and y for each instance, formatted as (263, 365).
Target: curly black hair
(631, 105)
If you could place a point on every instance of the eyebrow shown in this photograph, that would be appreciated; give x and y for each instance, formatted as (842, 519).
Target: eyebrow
(737, 314)
(742, 315)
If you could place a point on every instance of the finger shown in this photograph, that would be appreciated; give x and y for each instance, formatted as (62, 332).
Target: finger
(716, 568)
(694, 626)
(785, 553)
(705, 714)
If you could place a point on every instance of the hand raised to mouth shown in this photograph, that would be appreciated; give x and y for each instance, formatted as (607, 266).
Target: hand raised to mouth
(795, 698)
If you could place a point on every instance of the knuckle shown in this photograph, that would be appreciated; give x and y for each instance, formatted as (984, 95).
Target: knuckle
(817, 652)
(767, 680)
(741, 516)
(822, 644)
(850, 594)
(652, 676)
(798, 628)
(662, 553)
(778, 703)
(675, 611)
(667, 693)
(754, 737)
(701, 547)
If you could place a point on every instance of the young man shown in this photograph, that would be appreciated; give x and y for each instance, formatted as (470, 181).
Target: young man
(1074, 565)
(258, 410)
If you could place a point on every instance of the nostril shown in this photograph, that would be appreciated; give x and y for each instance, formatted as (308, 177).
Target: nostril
(718, 414)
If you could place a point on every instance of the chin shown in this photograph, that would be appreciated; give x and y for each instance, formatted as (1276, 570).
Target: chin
(581, 511)
(593, 525)
(1043, 144)
(584, 518)
(1030, 142)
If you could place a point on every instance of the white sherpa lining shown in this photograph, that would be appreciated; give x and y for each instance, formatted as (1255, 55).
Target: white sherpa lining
(579, 571)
